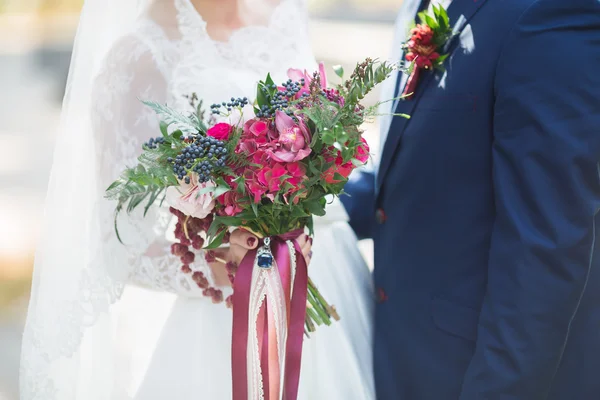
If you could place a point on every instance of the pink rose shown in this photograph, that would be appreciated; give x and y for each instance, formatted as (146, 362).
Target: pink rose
(293, 143)
(187, 199)
(220, 131)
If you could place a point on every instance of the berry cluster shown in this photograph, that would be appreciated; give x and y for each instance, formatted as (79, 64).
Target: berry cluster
(239, 102)
(281, 99)
(154, 142)
(187, 231)
(231, 270)
(202, 156)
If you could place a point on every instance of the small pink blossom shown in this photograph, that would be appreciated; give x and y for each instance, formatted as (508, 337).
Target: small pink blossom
(297, 75)
(188, 199)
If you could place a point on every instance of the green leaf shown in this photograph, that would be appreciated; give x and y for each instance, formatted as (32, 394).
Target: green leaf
(177, 134)
(261, 97)
(339, 177)
(433, 24)
(315, 208)
(269, 81)
(311, 226)
(339, 70)
(164, 129)
(254, 208)
(214, 228)
(445, 20)
(297, 212)
(217, 241)
(152, 199)
(221, 190)
(357, 163)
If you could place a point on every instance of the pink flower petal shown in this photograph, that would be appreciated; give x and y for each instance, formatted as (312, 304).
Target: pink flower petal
(283, 121)
(278, 171)
(302, 154)
(283, 156)
(296, 74)
(323, 75)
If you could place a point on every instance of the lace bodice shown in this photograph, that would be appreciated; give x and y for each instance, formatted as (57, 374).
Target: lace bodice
(160, 64)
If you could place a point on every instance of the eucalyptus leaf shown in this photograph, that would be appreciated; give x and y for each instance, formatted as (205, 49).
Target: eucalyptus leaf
(339, 70)
(173, 118)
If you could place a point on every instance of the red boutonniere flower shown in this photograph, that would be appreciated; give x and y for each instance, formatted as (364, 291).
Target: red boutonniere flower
(423, 48)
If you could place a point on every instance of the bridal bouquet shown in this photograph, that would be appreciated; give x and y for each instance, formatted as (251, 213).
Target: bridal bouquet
(266, 167)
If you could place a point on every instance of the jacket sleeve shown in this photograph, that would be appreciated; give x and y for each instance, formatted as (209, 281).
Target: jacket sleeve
(546, 156)
(360, 203)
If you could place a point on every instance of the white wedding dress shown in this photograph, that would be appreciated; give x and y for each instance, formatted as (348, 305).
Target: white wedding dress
(169, 341)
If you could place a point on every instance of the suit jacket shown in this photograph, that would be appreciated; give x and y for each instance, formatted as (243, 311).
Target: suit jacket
(484, 213)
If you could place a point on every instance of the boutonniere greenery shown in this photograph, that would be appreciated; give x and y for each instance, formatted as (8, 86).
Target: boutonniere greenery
(423, 50)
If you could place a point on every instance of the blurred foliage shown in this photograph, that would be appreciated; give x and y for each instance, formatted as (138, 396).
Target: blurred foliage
(12, 290)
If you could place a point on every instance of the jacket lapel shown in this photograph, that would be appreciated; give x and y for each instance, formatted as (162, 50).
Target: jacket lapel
(460, 13)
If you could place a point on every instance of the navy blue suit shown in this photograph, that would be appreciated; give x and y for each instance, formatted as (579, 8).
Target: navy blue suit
(484, 214)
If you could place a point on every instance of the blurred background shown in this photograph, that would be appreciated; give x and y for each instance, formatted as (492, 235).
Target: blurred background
(35, 47)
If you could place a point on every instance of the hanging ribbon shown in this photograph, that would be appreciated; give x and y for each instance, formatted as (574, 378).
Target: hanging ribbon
(411, 83)
(269, 308)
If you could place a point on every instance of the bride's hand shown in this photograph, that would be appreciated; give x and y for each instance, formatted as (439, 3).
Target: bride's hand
(242, 241)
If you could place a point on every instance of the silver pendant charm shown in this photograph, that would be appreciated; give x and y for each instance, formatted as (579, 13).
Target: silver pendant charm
(264, 257)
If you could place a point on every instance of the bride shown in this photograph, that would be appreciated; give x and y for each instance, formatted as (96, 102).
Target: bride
(108, 321)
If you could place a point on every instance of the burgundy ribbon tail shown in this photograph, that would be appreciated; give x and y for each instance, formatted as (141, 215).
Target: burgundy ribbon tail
(296, 328)
(296, 297)
(411, 83)
(239, 342)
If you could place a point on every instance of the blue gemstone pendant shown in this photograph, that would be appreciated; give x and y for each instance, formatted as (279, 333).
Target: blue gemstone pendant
(264, 257)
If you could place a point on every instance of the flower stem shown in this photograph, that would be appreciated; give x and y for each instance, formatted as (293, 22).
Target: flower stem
(330, 309)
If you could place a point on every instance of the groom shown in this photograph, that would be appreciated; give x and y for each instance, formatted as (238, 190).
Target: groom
(484, 210)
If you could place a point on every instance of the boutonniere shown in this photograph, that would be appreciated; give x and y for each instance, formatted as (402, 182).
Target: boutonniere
(424, 47)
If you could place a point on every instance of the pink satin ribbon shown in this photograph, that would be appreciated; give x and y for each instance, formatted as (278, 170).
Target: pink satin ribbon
(295, 301)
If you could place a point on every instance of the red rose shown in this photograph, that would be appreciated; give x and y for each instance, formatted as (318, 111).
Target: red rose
(422, 34)
(220, 131)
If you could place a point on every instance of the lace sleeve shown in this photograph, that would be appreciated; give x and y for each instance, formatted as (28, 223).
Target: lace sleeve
(121, 124)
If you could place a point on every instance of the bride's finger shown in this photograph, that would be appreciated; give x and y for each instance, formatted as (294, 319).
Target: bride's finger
(307, 249)
(243, 238)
